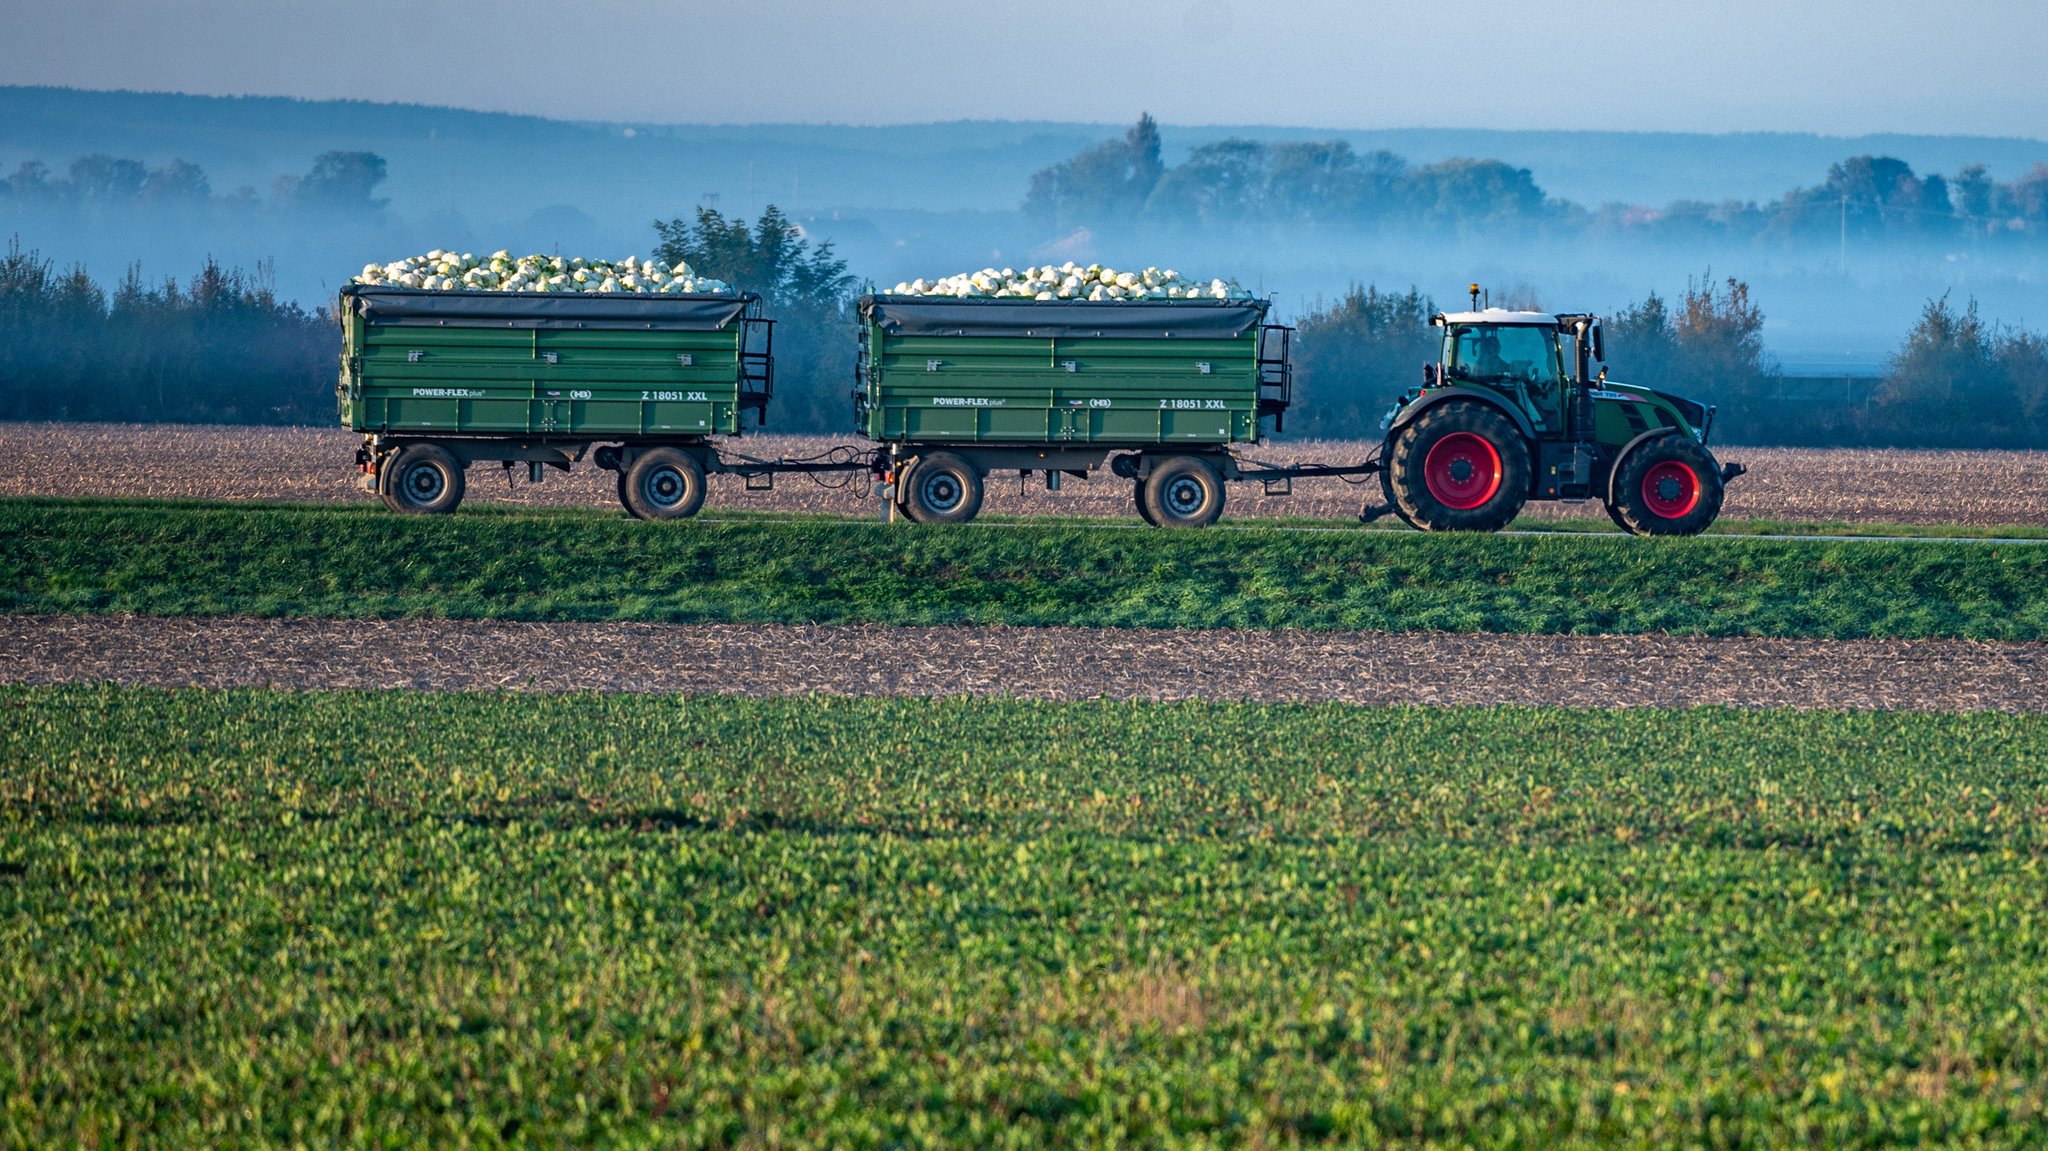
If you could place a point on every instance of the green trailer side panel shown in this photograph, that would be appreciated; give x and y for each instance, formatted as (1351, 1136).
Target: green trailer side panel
(993, 389)
(501, 380)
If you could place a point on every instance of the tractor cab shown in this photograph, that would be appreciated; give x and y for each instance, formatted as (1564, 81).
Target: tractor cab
(1527, 357)
(1512, 411)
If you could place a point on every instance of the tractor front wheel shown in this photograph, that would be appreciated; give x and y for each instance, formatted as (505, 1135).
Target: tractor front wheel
(1667, 487)
(1460, 467)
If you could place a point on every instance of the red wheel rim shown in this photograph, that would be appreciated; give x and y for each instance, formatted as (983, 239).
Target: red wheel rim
(1462, 470)
(1671, 489)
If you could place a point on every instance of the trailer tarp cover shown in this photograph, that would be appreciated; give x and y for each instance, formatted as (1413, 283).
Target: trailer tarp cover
(413, 307)
(1163, 319)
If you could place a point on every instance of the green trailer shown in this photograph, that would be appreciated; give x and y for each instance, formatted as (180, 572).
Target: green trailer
(438, 380)
(1156, 391)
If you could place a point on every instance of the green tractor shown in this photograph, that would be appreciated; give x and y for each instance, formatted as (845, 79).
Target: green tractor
(1511, 413)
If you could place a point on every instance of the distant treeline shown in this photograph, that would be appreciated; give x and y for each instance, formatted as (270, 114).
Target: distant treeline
(1236, 183)
(1955, 381)
(337, 181)
(222, 348)
(1327, 184)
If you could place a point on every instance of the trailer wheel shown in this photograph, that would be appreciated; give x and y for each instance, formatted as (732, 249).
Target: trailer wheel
(1459, 467)
(944, 489)
(1138, 497)
(422, 479)
(1183, 492)
(664, 484)
(1669, 486)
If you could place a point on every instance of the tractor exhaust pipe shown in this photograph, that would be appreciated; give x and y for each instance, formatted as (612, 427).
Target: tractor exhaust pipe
(1582, 405)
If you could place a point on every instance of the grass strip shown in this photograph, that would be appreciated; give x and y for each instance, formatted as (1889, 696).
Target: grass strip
(358, 563)
(308, 918)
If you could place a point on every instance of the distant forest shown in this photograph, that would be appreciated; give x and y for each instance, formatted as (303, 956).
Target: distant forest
(221, 347)
(1236, 183)
(1326, 184)
(336, 182)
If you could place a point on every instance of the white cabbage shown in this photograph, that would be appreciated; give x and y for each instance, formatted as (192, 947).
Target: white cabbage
(500, 271)
(1070, 281)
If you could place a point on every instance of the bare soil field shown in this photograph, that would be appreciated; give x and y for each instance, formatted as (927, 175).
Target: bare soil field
(1845, 485)
(1039, 663)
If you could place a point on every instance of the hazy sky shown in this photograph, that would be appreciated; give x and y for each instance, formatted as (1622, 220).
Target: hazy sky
(1956, 66)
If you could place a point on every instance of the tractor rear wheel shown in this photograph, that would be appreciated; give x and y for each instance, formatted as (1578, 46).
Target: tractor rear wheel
(1387, 488)
(421, 478)
(1460, 467)
(1667, 487)
(1182, 492)
(944, 489)
(663, 484)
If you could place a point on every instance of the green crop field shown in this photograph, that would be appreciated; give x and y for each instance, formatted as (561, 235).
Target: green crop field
(184, 559)
(240, 917)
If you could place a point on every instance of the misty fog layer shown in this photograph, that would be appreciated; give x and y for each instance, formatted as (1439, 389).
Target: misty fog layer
(937, 199)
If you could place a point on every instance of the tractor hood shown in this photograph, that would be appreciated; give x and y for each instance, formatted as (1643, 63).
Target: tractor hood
(1697, 416)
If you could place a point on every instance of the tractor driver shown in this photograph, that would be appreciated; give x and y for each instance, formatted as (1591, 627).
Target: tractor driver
(1486, 361)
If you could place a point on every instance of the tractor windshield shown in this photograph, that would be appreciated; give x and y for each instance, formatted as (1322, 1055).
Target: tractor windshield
(1502, 353)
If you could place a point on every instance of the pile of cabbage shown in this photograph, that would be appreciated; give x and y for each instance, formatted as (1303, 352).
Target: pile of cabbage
(1070, 281)
(502, 272)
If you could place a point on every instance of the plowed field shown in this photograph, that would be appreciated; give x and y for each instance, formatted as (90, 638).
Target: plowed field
(1049, 663)
(214, 462)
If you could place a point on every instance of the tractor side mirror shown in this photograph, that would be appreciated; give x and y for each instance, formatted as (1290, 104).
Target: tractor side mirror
(1429, 375)
(1599, 345)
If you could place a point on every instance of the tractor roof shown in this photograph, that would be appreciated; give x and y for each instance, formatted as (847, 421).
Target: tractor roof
(1501, 316)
